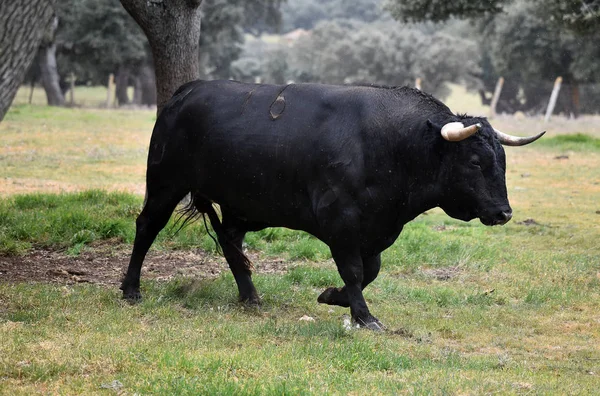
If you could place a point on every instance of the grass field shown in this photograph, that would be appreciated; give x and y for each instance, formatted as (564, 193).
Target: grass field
(469, 309)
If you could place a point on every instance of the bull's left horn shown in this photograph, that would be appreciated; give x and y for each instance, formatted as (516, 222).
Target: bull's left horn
(456, 131)
(509, 140)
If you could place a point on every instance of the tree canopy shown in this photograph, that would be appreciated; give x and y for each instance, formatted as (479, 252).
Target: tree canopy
(530, 43)
(358, 53)
(582, 16)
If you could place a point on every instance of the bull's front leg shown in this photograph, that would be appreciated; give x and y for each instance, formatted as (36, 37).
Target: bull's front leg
(350, 267)
(339, 296)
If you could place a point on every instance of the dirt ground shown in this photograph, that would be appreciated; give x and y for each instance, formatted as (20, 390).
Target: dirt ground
(105, 264)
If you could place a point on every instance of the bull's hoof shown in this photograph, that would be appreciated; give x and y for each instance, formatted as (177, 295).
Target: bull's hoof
(251, 301)
(375, 326)
(334, 296)
(371, 323)
(132, 296)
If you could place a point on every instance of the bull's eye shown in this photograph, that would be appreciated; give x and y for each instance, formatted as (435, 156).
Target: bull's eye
(475, 162)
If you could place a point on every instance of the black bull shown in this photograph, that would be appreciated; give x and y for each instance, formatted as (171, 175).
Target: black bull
(350, 165)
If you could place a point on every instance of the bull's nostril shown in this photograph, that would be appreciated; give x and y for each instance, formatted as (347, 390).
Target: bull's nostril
(507, 216)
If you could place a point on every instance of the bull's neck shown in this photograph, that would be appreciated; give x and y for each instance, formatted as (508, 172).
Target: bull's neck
(419, 168)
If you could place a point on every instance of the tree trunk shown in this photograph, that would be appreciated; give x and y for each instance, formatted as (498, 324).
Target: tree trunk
(47, 64)
(575, 105)
(147, 86)
(121, 85)
(137, 91)
(173, 31)
(22, 27)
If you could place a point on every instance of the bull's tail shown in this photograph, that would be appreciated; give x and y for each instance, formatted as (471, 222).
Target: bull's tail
(197, 207)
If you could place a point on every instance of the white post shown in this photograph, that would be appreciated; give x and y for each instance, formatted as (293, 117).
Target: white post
(418, 83)
(553, 98)
(496, 96)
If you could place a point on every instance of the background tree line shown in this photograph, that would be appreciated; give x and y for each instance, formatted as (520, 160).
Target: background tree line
(528, 42)
(391, 42)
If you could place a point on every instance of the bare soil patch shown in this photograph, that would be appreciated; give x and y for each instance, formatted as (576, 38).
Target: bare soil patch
(105, 264)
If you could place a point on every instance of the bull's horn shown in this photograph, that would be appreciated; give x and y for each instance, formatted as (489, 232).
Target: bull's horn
(509, 140)
(456, 131)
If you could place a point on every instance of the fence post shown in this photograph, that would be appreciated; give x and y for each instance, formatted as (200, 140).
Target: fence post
(418, 83)
(553, 98)
(109, 90)
(496, 96)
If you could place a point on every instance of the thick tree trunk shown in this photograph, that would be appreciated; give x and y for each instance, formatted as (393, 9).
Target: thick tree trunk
(47, 64)
(121, 85)
(22, 27)
(173, 31)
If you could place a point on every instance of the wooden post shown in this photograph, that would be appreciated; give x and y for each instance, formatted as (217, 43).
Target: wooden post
(72, 90)
(418, 83)
(553, 98)
(110, 89)
(496, 96)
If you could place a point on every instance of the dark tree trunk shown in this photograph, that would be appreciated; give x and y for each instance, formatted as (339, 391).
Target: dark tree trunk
(121, 85)
(575, 99)
(22, 27)
(137, 91)
(173, 31)
(47, 64)
(147, 86)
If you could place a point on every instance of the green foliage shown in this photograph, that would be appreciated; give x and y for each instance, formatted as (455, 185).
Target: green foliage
(441, 10)
(307, 14)
(579, 16)
(95, 37)
(352, 52)
(526, 43)
(530, 53)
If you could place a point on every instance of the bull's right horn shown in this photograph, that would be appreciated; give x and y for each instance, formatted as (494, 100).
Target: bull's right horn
(456, 131)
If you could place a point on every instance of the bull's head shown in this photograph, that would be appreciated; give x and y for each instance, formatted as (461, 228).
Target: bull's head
(474, 172)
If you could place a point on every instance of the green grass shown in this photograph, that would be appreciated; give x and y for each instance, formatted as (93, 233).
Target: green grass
(576, 142)
(84, 96)
(469, 309)
(508, 318)
(191, 337)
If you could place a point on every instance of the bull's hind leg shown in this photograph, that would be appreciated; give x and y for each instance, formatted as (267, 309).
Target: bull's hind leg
(230, 234)
(155, 215)
(339, 296)
(239, 265)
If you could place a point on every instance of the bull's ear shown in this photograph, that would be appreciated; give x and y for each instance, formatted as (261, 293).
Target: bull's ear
(434, 125)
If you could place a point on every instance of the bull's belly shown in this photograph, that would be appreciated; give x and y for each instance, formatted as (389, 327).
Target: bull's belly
(266, 207)
(273, 203)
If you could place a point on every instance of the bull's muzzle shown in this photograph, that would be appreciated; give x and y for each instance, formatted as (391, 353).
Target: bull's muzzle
(499, 218)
